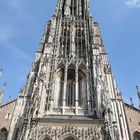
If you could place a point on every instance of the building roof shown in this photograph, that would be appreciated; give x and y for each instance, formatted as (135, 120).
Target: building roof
(8, 103)
(132, 107)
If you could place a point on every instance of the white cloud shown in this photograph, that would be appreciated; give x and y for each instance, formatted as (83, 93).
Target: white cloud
(133, 3)
(14, 3)
(6, 32)
(17, 52)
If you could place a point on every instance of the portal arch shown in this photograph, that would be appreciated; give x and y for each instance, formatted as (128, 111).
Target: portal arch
(46, 137)
(70, 137)
(136, 135)
(92, 138)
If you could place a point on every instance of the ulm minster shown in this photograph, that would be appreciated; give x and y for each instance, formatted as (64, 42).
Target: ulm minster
(70, 92)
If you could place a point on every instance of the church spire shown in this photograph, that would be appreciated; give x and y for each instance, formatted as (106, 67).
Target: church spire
(71, 79)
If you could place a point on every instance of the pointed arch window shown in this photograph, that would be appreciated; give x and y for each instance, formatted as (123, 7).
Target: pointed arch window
(63, 8)
(47, 138)
(73, 87)
(3, 134)
(70, 93)
(136, 135)
(73, 7)
(80, 40)
(65, 39)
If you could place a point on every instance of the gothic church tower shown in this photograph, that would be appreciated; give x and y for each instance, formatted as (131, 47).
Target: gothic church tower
(70, 92)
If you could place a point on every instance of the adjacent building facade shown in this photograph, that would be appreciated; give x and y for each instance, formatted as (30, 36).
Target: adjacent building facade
(70, 92)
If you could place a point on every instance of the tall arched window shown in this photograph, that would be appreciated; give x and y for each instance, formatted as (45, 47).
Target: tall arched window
(3, 134)
(47, 138)
(67, 87)
(80, 43)
(70, 93)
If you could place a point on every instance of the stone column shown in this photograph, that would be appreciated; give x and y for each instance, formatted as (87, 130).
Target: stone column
(65, 89)
(73, 31)
(57, 92)
(41, 91)
(76, 91)
(80, 8)
(125, 119)
(88, 97)
(77, 7)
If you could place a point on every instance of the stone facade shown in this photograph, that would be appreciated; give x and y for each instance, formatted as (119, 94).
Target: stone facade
(133, 116)
(70, 93)
(83, 128)
(61, 129)
(6, 115)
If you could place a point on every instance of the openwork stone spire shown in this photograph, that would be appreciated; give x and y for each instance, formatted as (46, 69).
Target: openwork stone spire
(71, 81)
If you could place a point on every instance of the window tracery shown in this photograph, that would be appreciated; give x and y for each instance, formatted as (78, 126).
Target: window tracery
(70, 93)
(70, 82)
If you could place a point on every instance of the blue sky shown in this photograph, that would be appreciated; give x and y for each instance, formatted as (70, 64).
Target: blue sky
(22, 25)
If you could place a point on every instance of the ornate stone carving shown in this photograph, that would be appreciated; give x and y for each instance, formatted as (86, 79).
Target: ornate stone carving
(107, 69)
(35, 66)
(79, 132)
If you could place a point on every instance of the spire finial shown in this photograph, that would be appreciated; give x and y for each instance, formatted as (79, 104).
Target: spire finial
(9, 99)
(137, 88)
(138, 93)
(2, 93)
(1, 96)
(131, 100)
(1, 70)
